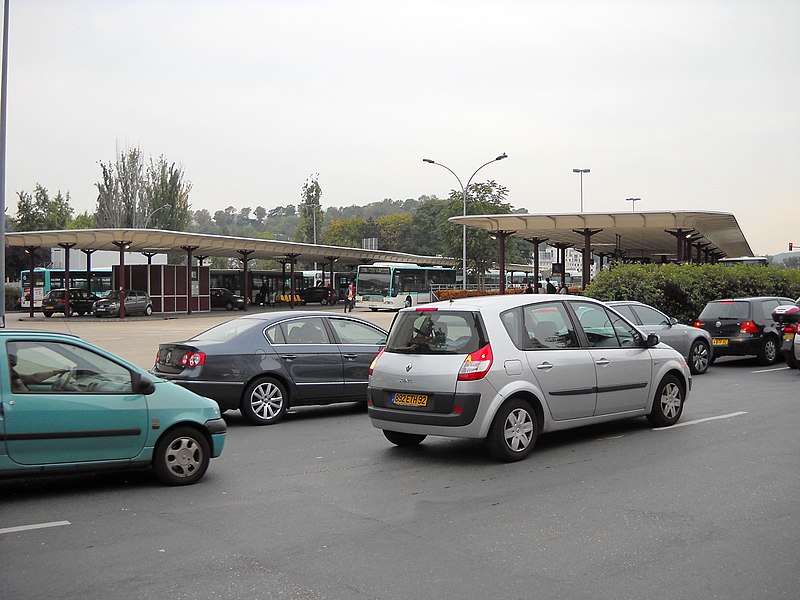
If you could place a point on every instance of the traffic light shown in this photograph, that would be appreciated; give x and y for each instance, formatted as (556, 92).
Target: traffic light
(790, 246)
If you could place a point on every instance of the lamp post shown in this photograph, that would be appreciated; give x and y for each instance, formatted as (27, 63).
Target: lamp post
(464, 195)
(581, 171)
(147, 219)
(633, 202)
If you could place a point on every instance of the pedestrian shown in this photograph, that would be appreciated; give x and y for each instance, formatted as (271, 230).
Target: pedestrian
(551, 289)
(350, 302)
(563, 289)
(529, 289)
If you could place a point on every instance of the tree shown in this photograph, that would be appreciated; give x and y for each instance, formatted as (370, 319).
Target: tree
(311, 214)
(260, 213)
(344, 232)
(37, 212)
(393, 232)
(131, 195)
(166, 197)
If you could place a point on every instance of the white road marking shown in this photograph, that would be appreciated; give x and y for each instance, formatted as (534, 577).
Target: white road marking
(696, 421)
(770, 370)
(34, 526)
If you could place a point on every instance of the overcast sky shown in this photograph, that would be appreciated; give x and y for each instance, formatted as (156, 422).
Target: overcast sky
(688, 105)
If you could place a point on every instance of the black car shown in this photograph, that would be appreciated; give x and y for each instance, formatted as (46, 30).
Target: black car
(744, 327)
(323, 295)
(80, 301)
(224, 298)
(263, 364)
(136, 302)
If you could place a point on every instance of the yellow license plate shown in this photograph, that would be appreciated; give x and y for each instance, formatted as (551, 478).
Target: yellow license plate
(410, 399)
(719, 342)
(788, 337)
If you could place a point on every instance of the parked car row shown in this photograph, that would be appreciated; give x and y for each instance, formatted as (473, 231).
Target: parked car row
(503, 369)
(82, 302)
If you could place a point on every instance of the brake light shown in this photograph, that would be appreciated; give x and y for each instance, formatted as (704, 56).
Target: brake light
(748, 327)
(698, 324)
(790, 329)
(476, 365)
(193, 359)
(374, 360)
(426, 309)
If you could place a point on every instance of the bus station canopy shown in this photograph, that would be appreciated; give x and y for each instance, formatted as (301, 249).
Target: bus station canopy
(155, 241)
(634, 235)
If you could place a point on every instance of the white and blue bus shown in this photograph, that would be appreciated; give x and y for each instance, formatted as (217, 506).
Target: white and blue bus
(392, 286)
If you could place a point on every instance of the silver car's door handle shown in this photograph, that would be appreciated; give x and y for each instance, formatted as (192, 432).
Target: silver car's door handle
(602, 362)
(289, 356)
(545, 366)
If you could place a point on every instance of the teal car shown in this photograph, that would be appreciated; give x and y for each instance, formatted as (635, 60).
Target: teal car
(69, 406)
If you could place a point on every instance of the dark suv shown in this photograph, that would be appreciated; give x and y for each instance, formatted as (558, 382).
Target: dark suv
(744, 327)
(80, 301)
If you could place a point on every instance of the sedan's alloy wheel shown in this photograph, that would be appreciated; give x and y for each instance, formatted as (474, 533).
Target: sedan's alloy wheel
(699, 357)
(266, 402)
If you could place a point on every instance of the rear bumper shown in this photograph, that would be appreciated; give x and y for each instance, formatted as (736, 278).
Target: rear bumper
(226, 394)
(739, 347)
(452, 410)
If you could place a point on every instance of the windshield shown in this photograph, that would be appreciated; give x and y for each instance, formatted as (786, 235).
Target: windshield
(228, 330)
(373, 280)
(738, 311)
(111, 295)
(436, 332)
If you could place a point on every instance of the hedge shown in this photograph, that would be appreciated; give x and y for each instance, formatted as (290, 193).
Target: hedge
(682, 291)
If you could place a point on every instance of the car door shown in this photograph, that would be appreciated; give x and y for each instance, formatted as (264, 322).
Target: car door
(48, 425)
(562, 368)
(359, 343)
(623, 365)
(311, 358)
(654, 321)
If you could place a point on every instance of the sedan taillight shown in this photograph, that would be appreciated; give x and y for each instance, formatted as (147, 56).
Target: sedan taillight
(476, 365)
(193, 359)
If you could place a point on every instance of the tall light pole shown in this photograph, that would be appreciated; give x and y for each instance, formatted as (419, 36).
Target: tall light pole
(464, 195)
(633, 202)
(581, 171)
(147, 219)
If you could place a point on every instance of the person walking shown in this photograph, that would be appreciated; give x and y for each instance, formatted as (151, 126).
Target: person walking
(529, 289)
(551, 289)
(350, 302)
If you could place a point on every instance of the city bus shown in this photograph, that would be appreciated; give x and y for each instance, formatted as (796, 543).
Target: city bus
(392, 286)
(97, 281)
(745, 260)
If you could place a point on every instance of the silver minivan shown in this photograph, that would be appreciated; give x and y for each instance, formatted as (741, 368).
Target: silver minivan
(506, 368)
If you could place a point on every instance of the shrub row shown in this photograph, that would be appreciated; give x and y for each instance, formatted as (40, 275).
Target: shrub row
(681, 291)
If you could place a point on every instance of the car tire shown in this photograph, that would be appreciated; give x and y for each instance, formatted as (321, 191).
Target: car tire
(791, 361)
(404, 440)
(148, 310)
(265, 402)
(81, 313)
(699, 357)
(229, 306)
(768, 354)
(324, 302)
(181, 456)
(47, 313)
(513, 432)
(667, 403)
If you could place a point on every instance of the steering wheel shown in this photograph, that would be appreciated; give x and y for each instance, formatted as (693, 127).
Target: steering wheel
(64, 378)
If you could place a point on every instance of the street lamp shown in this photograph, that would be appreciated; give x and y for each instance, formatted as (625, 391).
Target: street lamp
(464, 194)
(581, 171)
(633, 202)
(147, 219)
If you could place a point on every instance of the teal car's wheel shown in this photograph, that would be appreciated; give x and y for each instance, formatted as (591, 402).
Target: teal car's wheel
(181, 456)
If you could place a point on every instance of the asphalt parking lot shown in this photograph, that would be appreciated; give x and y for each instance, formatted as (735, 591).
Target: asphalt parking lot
(322, 506)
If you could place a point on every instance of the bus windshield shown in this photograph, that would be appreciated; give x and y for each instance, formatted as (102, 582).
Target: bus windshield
(373, 281)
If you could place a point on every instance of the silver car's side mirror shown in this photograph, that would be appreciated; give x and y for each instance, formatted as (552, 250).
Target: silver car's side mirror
(673, 321)
(653, 340)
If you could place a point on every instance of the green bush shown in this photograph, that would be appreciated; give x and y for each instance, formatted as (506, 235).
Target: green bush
(681, 291)
(12, 296)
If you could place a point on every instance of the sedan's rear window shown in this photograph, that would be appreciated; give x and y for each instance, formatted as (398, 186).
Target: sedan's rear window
(228, 330)
(436, 332)
(726, 309)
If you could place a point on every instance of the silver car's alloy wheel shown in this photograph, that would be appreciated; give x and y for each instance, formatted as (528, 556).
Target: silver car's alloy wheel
(699, 357)
(671, 400)
(518, 430)
(265, 402)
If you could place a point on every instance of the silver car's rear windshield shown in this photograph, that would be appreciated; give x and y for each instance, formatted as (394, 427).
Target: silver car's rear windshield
(228, 330)
(436, 332)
